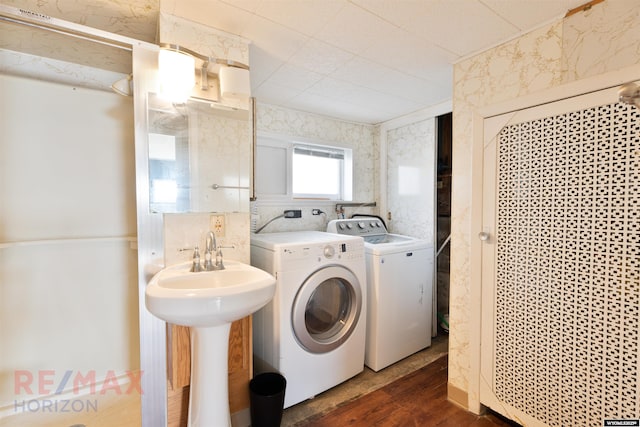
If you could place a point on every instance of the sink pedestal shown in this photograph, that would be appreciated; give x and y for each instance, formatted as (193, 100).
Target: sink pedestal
(209, 390)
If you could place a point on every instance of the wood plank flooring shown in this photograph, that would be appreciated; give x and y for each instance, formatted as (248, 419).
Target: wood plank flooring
(418, 399)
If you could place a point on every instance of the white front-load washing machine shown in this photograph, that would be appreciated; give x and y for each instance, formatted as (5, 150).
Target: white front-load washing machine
(399, 290)
(313, 331)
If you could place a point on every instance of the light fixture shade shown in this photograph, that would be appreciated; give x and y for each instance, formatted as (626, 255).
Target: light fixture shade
(123, 86)
(176, 75)
(234, 83)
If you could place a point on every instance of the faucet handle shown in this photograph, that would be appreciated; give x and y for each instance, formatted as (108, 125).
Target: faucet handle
(219, 262)
(195, 267)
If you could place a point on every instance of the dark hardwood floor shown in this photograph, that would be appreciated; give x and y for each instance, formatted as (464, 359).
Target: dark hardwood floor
(418, 399)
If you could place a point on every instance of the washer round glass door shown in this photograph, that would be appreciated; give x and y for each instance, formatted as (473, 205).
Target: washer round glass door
(326, 309)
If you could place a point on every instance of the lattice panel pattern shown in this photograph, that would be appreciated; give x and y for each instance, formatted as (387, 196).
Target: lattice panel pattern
(567, 274)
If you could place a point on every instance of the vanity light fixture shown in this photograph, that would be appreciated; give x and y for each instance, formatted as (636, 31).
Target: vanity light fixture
(123, 86)
(175, 74)
(177, 67)
(234, 83)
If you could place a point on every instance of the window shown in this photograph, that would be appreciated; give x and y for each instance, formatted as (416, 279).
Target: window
(288, 170)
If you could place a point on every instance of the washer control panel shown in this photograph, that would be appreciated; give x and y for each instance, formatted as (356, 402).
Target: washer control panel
(365, 226)
(325, 252)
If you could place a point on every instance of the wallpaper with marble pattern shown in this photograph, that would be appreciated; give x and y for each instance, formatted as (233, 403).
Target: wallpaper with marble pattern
(133, 18)
(588, 43)
(412, 147)
(47, 69)
(202, 39)
(361, 138)
(182, 232)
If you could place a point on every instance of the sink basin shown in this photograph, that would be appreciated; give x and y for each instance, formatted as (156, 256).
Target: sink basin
(208, 301)
(208, 298)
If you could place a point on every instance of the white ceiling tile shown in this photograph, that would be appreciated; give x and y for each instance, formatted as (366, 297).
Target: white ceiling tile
(363, 71)
(248, 5)
(262, 64)
(415, 89)
(354, 29)
(333, 88)
(399, 14)
(271, 93)
(462, 27)
(409, 54)
(272, 38)
(332, 108)
(294, 77)
(526, 14)
(307, 17)
(356, 95)
(320, 57)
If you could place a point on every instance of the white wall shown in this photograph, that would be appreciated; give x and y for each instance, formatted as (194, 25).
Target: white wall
(68, 265)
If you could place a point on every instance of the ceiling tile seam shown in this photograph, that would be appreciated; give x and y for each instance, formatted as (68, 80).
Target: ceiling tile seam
(499, 15)
(546, 23)
(280, 24)
(400, 97)
(312, 37)
(404, 29)
(236, 6)
(305, 36)
(388, 64)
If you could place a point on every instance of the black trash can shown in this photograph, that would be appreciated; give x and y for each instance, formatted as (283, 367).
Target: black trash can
(266, 398)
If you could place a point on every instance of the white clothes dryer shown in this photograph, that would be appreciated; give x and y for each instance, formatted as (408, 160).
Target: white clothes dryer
(400, 280)
(313, 331)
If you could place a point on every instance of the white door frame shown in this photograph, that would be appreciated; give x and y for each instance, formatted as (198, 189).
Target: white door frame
(418, 116)
(577, 88)
(385, 127)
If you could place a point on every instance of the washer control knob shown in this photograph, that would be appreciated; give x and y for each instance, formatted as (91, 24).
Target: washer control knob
(341, 226)
(329, 251)
(349, 225)
(361, 224)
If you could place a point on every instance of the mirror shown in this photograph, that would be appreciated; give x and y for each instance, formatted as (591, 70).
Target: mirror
(199, 157)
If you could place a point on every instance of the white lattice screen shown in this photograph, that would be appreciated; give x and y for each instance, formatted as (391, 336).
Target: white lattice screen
(567, 327)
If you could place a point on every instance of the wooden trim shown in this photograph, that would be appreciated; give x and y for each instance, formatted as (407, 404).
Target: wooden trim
(179, 356)
(177, 406)
(457, 396)
(582, 8)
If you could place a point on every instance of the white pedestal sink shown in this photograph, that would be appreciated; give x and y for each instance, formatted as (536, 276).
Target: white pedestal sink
(208, 301)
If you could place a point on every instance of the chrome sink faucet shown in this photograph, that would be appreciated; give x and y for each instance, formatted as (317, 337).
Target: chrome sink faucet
(213, 254)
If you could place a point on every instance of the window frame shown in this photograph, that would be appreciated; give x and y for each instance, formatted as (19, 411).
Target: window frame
(289, 143)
